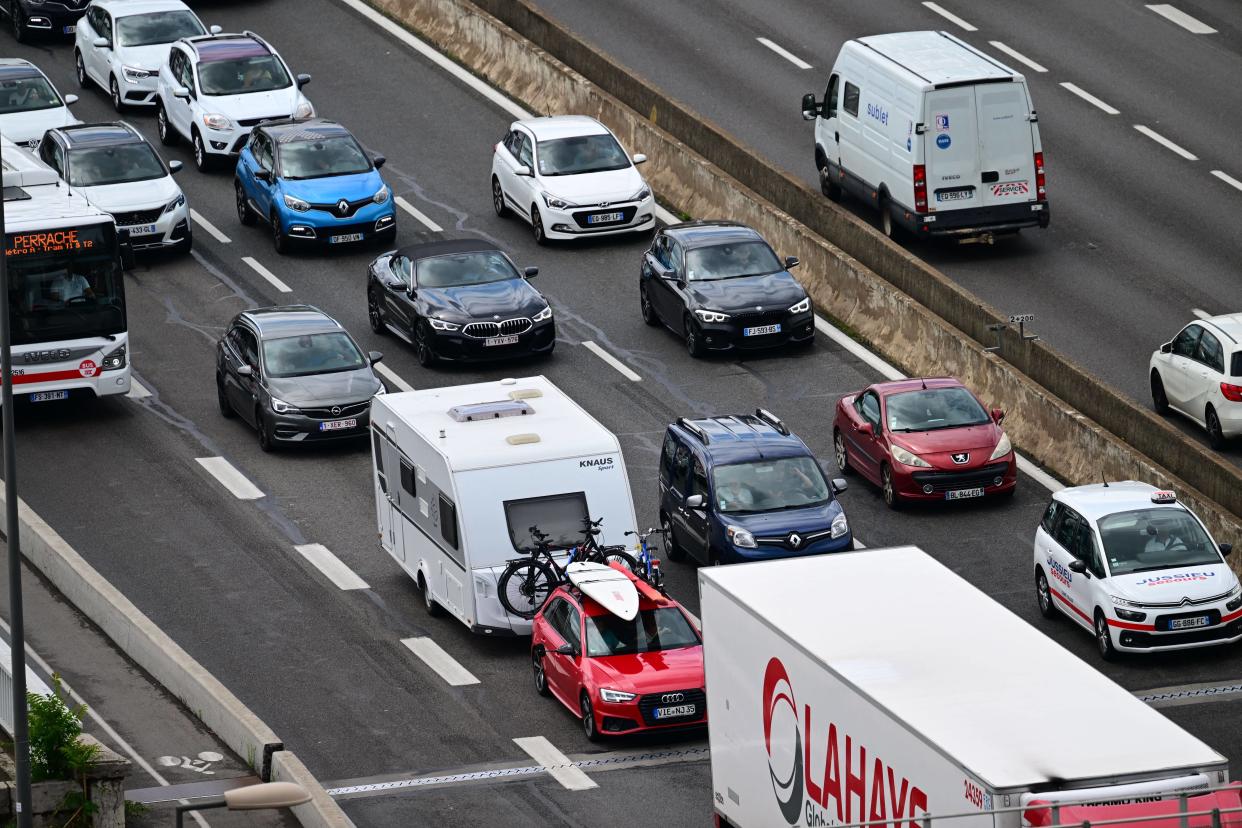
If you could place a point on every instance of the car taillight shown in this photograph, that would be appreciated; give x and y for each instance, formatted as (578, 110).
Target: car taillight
(920, 188)
(1233, 393)
(1040, 192)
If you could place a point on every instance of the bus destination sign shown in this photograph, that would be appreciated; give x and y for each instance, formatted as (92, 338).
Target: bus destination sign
(61, 240)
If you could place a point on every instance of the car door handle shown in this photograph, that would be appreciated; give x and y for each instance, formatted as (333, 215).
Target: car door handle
(836, 136)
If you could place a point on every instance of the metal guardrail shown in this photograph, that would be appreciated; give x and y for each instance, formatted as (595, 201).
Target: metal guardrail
(34, 684)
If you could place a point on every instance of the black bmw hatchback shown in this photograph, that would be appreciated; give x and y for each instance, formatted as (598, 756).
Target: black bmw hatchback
(459, 300)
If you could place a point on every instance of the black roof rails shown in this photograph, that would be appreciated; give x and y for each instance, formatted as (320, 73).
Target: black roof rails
(694, 429)
(772, 420)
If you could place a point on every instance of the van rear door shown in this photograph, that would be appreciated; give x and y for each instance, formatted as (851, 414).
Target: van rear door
(951, 149)
(1006, 143)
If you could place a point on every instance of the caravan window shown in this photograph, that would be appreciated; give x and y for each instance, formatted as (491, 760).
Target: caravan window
(850, 104)
(562, 516)
(407, 479)
(379, 461)
(448, 521)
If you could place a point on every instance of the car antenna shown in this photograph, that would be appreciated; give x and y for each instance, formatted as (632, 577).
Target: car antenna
(924, 381)
(1103, 478)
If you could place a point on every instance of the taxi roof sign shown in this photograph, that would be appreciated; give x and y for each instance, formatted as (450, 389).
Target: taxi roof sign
(1163, 496)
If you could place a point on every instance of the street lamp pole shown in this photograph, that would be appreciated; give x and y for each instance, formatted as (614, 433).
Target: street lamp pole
(21, 723)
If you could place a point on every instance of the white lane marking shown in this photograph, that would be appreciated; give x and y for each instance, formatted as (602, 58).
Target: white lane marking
(1038, 475)
(785, 53)
(258, 268)
(666, 217)
(558, 765)
(1202, 314)
(612, 360)
(950, 16)
(230, 478)
(331, 566)
(391, 375)
(208, 226)
(1166, 143)
(137, 391)
(1228, 179)
(1182, 19)
(434, 656)
(1089, 98)
(1016, 55)
(418, 214)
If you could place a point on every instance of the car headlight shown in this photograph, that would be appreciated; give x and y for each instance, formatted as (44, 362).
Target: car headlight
(711, 315)
(801, 307)
(615, 696)
(381, 195)
(1003, 447)
(557, 203)
(175, 203)
(282, 407)
(1235, 598)
(216, 121)
(115, 360)
(909, 458)
(136, 73)
(304, 110)
(1129, 615)
(740, 537)
(543, 315)
(383, 389)
(641, 195)
(1118, 601)
(840, 525)
(297, 204)
(441, 325)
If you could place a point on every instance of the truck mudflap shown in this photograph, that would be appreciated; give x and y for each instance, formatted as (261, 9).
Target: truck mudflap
(1142, 805)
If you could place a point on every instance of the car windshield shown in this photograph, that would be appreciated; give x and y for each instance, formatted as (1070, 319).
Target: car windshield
(27, 94)
(729, 261)
(769, 485)
(157, 27)
(663, 628)
(321, 157)
(97, 166)
(309, 354)
(459, 269)
(1149, 539)
(931, 409)
(581, 154)
(242, 76)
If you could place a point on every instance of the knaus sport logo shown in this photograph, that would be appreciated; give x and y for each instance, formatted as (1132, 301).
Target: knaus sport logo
(850, 789)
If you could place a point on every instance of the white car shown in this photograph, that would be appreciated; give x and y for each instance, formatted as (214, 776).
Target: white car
(30, 104)
(121, 45)
(1199, 374)
(1129, 563)
(115, 168)
(569, 177)
(215, 88)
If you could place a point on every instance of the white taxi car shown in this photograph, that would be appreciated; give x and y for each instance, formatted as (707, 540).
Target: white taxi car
(1135, 567)
(569, 177)
(1199, 374)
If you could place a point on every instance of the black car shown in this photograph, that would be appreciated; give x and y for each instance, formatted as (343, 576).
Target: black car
(721, 287)
(459, 300)
(295, 375)
(31, 17)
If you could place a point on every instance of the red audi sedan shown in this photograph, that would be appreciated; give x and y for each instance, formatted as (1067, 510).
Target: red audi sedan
(924, 439)
(620, 676)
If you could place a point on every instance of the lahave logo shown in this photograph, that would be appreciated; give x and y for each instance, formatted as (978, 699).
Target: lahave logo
(780, 708)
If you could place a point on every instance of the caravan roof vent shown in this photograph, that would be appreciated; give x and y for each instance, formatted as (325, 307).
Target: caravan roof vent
(521, 439)
(525, 394)
(489, 410)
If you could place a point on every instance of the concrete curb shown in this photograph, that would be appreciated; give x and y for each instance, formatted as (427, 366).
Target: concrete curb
(322, 811)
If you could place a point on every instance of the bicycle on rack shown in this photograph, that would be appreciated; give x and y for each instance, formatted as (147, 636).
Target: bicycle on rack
(648, 568)
(527, 582)
(613, 553)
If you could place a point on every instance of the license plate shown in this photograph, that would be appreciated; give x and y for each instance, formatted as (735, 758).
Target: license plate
(1187, 623)
(963, 494)
(955, 195)
(345, 237)
(761, 330)
(500, 340)
(70, 29)
(604, 218)
(48, 396)
(338, 425)
(674, 712)
(141, 229)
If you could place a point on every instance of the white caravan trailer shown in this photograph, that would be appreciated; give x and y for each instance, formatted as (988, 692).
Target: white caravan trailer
(463, 472)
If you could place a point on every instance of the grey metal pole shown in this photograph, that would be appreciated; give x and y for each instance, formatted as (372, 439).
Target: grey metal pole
(21, 723)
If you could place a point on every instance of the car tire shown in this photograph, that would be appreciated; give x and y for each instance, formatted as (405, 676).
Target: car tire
(838, 449)
(114, 92)
(1216, 435)
(588, 718)
(18, 20)
(267, 439)
(694, 339)
(827, 185)
(498, 199)
(1159, 399)
(541, 678)
(201, 159)
(648, 310)
(280, 242)
(168, 137)
(245, 214)
(887, 226)
(671, 547)
(1103, 638)
(433, 609)
(891, 499)
(1043, 595)
(79, 69)
(425, 351)
(536, 225)
(222, 400)
(374, 317)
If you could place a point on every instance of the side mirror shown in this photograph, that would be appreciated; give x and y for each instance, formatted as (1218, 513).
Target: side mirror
(524, 172)
(1078, 566)
(379, 161)
(639, 158)
(866, 429)
(303, 79)
(810, 109)
(245, 371)
(538, 651)
(791, 262)
(998, 414)
(100, 43)
(174, 167)
(263, 175)
(374, 356)
(181, 92)
(530, 272)
(71, 99)
(1166, 348)
(1226, 548)
(694, 502)
(839, 484)
(215, 30)
(566, 650)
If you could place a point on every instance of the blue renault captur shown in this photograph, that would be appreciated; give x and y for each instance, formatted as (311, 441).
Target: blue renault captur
(743, 488)
(313, 183)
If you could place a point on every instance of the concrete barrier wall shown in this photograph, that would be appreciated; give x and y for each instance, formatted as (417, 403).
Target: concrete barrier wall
(322, 811)
(1050, 431)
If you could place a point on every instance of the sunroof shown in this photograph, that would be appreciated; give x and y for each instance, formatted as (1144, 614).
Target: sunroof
(229, 50)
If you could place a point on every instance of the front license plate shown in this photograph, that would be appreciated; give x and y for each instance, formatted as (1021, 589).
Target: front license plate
(345, 237)
(141, 229)
(48, 396)
(500, 340)
(338, 425)
(674, 712)
(604, 218)
(761, 330)
(1188, 623)
(963, 494)
(70, 29)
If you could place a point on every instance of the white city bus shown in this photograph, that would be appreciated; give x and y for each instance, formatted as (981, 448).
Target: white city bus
(66, 293)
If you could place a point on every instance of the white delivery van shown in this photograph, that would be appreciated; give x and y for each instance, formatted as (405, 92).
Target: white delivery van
(462, 473)
(941, 138)
(879, 685)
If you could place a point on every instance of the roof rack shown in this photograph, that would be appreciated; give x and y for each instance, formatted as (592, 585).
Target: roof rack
(772, 420)
(694, 429)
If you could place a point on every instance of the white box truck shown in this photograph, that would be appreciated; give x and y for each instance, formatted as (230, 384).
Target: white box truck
(938, 136)
(879, 685)
(461, 473)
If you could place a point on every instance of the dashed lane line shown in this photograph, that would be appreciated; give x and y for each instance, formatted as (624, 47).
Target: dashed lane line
(1089, 98)
(950, 16)
(230, 478)
(392, 376)
(435, 657)
(613, 361)
(1016, 55)
(1166, 143)
(331, 566)
(1228, 179)
(211, 229)
(258, 268)
(1202, 314)
(418, 214)
(785, 53)
(1176, 15)
(557, 764)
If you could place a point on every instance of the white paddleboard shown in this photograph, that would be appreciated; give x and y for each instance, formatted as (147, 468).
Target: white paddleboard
(612, 590)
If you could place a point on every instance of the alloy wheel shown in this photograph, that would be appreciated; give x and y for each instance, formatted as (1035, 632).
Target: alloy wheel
(1103, 640)
(79, 67)
(890, 492)
(373, 315)
(200, 153)
(1159, 399)
(541, 678)
(838, 448)
(649, 314)
(1216, 436)
(536, 223)
(114, 90)
(588, 719)
(426, 354)
(498, 198)
(1043, 594)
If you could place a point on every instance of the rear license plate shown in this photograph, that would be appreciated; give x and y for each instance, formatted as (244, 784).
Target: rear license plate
(954, 195)
(141, 229)
(1187, 623)
(963, 494)
(70, 29)
(511, 339)
(674, 712)
(338, 425)
(761, 330)
(48, 396)
(346, 237)
(604, 218)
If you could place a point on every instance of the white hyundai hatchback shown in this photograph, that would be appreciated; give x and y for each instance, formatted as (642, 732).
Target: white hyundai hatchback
(569, 177)
(1199, 374)
(1129, 563)
(29, 104)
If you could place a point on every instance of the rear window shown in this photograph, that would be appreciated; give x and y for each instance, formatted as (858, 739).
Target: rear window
(561, 517)
(850, 104)
(1236, 369)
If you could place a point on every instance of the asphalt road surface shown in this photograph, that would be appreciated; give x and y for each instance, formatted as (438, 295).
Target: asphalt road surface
(325, 667)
